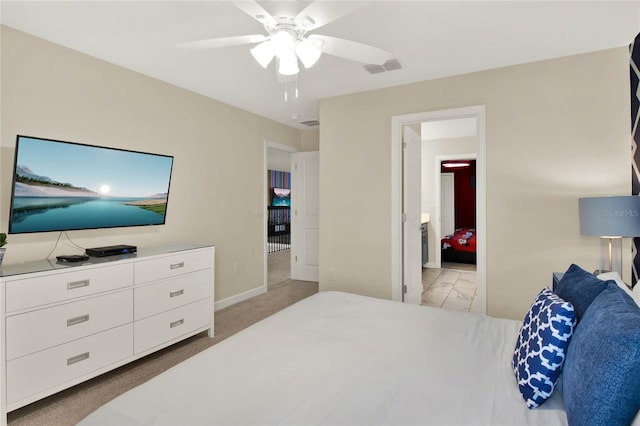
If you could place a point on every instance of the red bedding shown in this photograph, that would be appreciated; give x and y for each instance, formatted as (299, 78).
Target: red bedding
(463, 239)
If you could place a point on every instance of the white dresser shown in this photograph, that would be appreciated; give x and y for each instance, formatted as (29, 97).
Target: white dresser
(66, 323)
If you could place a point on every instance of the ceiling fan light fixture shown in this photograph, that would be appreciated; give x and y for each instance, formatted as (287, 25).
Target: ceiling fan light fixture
(283, 42)
(263, 53)
(309, 52)
(288, 64)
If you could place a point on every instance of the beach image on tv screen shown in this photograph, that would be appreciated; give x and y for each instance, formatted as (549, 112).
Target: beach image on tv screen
(281, 197)
(66, 186)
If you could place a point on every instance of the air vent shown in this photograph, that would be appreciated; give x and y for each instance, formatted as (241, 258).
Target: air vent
(390, 65)
(310, 123)
(374, 69)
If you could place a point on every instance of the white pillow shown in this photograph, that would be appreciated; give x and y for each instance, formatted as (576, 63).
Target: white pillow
(634, 294)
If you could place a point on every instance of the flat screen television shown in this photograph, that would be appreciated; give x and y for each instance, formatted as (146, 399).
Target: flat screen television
(281, 197)
(62, 186)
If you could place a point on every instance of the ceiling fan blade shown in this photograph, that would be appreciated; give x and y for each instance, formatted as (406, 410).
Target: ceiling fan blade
(320, 13)
(213, 43)
(352, 50)
(257, 12)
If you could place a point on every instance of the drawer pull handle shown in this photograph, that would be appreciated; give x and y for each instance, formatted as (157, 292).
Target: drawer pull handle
(77, 358)
(176, 293)
(77, 284)
(176, 265)
(77, 320)
(176, 323)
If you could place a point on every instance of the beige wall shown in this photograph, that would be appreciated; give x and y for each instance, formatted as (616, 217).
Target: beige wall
(217, 183)
(431, 149)
(310, 140)
(556, 130)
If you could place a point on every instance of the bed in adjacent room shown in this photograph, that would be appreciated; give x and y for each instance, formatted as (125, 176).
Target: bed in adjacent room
(459, 247)
(343, 359)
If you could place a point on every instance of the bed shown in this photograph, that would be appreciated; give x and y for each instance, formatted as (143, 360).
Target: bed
(342, 359)
(459, 247)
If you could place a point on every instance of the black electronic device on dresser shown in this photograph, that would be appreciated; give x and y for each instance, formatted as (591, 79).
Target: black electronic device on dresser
(110, 250)
(72, 258)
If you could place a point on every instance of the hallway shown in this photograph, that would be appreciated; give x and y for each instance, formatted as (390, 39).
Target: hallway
(278, 268)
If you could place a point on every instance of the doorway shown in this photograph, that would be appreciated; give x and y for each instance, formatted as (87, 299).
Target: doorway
(398, 264)
(449, 280)
(456, 210)
(277, 217)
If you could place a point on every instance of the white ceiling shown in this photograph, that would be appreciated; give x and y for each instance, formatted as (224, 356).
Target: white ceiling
(431, 39)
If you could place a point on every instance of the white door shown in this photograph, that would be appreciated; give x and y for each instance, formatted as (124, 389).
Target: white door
(305, 215)
(412, 206)
(447, 204)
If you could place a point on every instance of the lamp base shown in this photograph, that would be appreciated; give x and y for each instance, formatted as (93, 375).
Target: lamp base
(610, 255)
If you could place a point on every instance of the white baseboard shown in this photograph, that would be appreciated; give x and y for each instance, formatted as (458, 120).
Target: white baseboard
(429, 265)
(224, 303)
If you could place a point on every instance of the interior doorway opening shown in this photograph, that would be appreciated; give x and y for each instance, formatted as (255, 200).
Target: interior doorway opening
(455, 185)
(401, 281)
(277, 217)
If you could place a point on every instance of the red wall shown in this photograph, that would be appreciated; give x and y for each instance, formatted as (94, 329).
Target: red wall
(465, 194)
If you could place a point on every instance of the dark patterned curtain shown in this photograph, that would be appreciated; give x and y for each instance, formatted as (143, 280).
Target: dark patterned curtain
(634, 72)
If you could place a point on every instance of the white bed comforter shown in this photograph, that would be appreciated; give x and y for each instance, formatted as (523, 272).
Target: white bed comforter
(342, 359)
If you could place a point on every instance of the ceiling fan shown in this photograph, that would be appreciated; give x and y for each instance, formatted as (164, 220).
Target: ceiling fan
(288, 41)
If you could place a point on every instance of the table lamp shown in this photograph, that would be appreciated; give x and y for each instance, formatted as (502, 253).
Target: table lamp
(611, 219)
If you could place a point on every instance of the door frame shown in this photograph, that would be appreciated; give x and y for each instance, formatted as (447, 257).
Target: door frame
(265, 203)
(397, 122)
(438, 200)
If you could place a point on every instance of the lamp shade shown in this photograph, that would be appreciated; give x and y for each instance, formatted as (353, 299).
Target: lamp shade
(616, 216)
(308, 51)
(263, 53)
(288, 64)
(284, 42)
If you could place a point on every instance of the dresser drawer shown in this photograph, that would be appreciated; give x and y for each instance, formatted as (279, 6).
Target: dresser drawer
(31, 292)
(36, 330)
(172, 293)
(173, 265)
(53, 367)
(158, 329)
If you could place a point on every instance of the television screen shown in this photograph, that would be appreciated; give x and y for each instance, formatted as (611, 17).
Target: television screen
(61, 186)
(281, 197)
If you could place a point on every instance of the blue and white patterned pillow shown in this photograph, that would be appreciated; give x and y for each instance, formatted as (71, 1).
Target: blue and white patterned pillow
(542, 345)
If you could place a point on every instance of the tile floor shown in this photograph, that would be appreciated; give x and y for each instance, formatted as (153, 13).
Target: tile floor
(450, 289)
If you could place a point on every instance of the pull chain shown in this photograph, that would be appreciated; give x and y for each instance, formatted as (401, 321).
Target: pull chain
(286, 89)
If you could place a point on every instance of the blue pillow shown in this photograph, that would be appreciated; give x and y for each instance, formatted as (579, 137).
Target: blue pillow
(540, 349)
(601, 376)
(580, 287)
